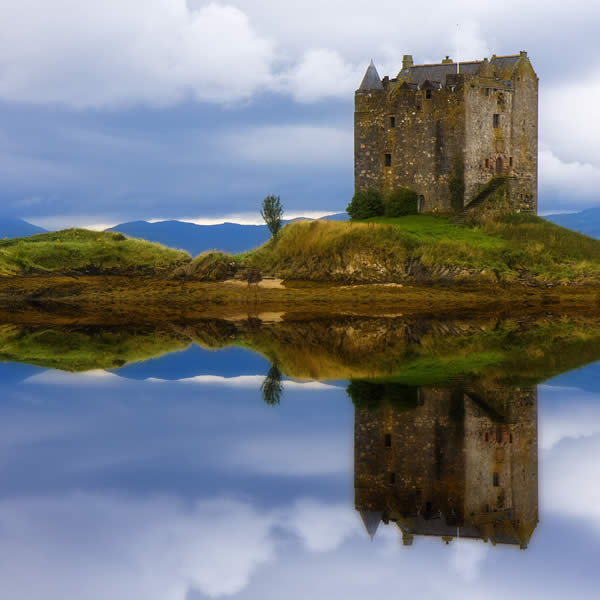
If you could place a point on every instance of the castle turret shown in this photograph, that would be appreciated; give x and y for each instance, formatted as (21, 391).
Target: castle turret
(371, 80)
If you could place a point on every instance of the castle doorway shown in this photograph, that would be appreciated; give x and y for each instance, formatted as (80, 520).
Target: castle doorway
(499, 165)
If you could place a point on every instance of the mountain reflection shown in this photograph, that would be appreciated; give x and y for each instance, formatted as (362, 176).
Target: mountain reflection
(450, 462)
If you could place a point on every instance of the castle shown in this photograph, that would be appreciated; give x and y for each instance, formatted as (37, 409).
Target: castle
(448, 462)
(452, 132)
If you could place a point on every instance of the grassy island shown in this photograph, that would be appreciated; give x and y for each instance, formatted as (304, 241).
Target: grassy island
(413, 263)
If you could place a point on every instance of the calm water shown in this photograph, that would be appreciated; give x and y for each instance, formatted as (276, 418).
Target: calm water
(309, 459)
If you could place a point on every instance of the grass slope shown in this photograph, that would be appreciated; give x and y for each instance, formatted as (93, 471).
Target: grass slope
(428, 247)
(78, 251)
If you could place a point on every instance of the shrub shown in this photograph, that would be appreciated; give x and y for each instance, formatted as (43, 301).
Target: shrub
(400, 202)
(365, 205)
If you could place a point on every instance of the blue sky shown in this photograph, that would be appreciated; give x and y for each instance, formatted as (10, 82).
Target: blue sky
(153, 109)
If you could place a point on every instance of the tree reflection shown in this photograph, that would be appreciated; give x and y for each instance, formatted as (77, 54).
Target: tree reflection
(271, 387)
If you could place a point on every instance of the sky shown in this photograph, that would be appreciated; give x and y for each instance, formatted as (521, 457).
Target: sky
(154, 109)
(191, 488)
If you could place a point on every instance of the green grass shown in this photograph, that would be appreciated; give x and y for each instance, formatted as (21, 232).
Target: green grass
(74, 251)
(79, 349)
(389, 249)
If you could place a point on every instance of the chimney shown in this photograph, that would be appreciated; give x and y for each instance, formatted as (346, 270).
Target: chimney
(447, 61)
(407, 61)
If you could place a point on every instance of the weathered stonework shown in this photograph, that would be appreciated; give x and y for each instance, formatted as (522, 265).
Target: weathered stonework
(432, 123)
(462, 462)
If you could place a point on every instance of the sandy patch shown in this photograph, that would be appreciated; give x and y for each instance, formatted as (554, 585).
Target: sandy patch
(267, 283)
(265, 317)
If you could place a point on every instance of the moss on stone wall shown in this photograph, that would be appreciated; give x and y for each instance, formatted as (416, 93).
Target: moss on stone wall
(456, 185)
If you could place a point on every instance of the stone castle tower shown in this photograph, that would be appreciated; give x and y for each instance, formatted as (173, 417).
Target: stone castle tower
(449, 463)
(441, 128)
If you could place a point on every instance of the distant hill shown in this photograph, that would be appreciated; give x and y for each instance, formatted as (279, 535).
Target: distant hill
(586, 221)
(15, 228)
(195, 239)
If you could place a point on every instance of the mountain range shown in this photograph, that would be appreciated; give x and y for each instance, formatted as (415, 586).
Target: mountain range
(15, 228)
(586, 221)
(195, 239)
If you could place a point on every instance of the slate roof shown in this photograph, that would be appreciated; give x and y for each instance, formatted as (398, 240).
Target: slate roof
(371, 80)
(420, 73)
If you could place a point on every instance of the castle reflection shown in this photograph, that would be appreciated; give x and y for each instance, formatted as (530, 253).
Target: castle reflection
(447, 462)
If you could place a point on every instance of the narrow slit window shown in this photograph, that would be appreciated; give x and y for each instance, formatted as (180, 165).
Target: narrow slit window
(487, 163)
(510, 438)
(496, 480)
(388, 440)
(510, 161)
(388, 160)
(487, 91)
(392, 477)
(428, 94)
(499, 435)
(487, 437)
(496, 121)
(428, 507)
(392, 122)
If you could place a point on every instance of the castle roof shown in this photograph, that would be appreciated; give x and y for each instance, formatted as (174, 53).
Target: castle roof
(419, 74)
(371, 80)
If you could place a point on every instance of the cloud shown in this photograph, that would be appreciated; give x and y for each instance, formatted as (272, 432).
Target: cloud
(153, 548)
(567, 413)
(322, 73)
(116, 52)
(467, 557)
(327, 454)
(578, 182)
(571, 479)
(298, 145)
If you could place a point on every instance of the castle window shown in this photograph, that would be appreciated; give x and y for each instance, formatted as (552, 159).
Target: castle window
(392, 122)
(392, 477)
(499, 165)
(496, 479)
(428, 507)
(388, 440)
(487, 91)
(428, 94)
(510, 438)
(496, 121)
(388, 160)
(421, 208)
(510, 161)
(487, 163)
(499, 435)
(487, 508)
(487, 437)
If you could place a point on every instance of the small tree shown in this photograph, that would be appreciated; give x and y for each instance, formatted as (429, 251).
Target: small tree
(402, 201)
(366, 204)
(271, 212)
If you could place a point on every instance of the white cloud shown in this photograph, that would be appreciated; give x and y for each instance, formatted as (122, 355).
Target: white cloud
(577, 181)
(292, 145)
(153, 548)
(567, 413)
(98, 54)
(570, 478)
(95, 377)
(326, 454)
(320, 74)
(467, 557)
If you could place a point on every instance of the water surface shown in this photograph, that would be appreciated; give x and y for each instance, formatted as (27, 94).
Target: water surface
(345, 457)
